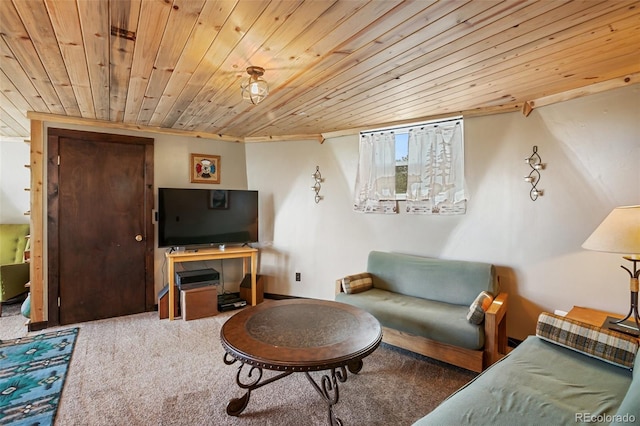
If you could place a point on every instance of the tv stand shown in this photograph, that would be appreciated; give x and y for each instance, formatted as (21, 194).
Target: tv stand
(247, 254)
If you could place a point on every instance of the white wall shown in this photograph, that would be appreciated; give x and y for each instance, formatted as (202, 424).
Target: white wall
(171, 158)
(14, 178)
(591, 147)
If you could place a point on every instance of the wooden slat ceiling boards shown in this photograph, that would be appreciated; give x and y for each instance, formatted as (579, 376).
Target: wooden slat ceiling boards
(332, 65)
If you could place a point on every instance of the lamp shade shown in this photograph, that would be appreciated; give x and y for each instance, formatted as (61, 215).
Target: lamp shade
(619, 232)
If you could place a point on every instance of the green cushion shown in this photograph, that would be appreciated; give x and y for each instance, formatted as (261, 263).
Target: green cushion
(630, 407)
(443, 322)
(539, 383)
(631, 403)
(13, 242)
(14, 273)
(448, 281)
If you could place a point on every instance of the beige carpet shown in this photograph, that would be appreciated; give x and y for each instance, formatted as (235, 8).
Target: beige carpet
(12, 323)
(139, 370)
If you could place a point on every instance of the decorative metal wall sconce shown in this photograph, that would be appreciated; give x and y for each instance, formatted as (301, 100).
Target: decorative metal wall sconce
(535, 162)
(316, 186)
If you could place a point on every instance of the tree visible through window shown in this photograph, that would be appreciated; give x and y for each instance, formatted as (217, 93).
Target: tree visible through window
(422, 164)
(402, 163)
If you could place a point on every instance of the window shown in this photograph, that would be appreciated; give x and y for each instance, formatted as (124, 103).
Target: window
(402, 163)
(422, 164)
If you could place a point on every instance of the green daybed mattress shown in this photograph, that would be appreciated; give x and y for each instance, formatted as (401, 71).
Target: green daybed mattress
(443, 322)
(538, 383)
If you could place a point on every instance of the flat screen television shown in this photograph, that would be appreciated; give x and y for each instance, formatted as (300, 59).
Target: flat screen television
(206, 217)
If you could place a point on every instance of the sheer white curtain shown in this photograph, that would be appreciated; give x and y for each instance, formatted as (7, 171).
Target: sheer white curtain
(435, 181)
(375, 189)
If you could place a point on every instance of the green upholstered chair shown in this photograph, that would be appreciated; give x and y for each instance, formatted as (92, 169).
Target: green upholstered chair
(14, 271)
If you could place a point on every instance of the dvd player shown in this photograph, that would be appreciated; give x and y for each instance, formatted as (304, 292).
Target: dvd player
(230, 301)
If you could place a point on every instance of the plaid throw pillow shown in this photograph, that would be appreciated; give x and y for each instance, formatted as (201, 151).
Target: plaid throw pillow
(352, 284)
(479, 307)
(610, 346)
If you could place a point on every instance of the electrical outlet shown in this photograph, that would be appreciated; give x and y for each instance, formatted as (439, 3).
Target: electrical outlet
(297, 276)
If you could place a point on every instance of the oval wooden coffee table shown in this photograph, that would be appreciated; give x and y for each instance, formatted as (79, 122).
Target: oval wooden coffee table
(298, 335)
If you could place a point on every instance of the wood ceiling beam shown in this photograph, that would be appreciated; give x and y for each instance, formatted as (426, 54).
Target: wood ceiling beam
(55, 118)
(312, 137)
(603, 86)
(478, 112)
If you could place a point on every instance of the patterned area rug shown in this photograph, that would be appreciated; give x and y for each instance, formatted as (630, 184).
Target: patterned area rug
(32, 373)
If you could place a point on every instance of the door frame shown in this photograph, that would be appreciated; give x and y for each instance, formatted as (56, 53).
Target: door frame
(53, 248)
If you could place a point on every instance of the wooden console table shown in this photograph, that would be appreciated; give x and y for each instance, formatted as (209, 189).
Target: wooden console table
(246, 253)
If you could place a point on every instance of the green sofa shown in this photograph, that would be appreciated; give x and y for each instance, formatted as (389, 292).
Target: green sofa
(423, 305)
(14, 271)
(568, 373)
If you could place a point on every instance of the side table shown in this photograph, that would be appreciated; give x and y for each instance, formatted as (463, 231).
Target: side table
(591, 316)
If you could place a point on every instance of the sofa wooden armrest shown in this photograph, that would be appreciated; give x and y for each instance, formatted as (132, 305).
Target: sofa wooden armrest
(495, 330)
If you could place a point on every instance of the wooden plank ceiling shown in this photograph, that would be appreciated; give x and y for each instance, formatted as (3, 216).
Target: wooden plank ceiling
(331, 65)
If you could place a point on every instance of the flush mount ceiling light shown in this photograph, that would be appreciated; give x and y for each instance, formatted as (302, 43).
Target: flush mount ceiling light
(255, 88)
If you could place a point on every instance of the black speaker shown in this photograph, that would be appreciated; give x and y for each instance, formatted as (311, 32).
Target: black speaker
(245, 289)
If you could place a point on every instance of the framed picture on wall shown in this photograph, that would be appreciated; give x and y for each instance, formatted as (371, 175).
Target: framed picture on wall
(205, 168)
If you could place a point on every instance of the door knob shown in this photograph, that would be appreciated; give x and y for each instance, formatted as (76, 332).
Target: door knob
(138, 237)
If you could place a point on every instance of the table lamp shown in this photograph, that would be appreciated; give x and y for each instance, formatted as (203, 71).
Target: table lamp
(619, 232)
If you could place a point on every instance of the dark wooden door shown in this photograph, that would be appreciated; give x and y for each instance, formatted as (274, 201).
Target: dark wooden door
(100, 229)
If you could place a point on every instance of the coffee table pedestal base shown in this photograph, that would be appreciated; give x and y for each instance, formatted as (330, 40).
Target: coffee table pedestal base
(327, 387)
(298, 336)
